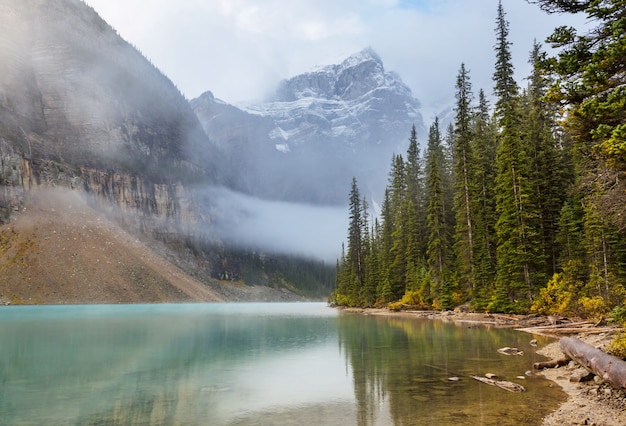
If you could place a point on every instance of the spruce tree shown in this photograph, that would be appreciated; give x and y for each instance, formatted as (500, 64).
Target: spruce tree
(484, 154)
(356, 245)
(447, 175)
(384, 289)
(606, 253)
(514, 226)
(342, 280)
(570, 239)
(372, 261)
(464, 182)
(549, 170)
(589, 82)
(414, 211)
(398, 264)
(506, 89)
(439, 241)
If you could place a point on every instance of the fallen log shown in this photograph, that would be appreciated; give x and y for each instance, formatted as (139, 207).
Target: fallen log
(551, 331)
(552, 363)
(609, 368)
(586, 330)
(565, 325)
(502, 384)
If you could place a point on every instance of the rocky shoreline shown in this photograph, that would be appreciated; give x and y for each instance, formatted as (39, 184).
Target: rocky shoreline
(590, 402)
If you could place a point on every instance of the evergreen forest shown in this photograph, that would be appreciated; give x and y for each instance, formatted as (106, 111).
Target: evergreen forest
(519, 205)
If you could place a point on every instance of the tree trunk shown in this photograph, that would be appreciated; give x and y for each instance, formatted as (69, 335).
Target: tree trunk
(611, 369)
(551, 364)
(502, 384)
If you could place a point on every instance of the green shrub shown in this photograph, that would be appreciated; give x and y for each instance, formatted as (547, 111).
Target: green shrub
(618, 315)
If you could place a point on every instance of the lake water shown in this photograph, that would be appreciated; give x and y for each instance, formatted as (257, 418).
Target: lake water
(257, 364)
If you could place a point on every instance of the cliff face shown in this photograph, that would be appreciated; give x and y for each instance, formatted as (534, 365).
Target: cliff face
(81, 108)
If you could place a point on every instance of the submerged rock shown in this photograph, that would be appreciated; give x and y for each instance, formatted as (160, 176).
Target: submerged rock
(510, 351)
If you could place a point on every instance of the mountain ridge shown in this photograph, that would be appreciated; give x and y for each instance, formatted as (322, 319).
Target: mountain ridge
(327, 125)
(82, 109)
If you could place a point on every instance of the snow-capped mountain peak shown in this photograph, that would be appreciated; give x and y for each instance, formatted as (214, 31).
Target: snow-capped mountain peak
(320, 129)
(354, 77)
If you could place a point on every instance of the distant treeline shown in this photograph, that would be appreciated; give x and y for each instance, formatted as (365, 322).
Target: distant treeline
(517, 207)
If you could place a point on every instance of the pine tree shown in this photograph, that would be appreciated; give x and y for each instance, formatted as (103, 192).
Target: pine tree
(570, 239)
(414, 211)
(447, 175)
(603, 246)
(589, 71)
(398, 264)
(548, 168)
(505, 89)
(415, 201)
(372, 263)
(484, 154)
(514, 226)
(439, 241)
(464, 182)
(384, 287)
(355, 261)
(342, 280)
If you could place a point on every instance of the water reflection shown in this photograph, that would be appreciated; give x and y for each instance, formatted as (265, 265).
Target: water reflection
(251, 364)
(406, 363)
(195, 364)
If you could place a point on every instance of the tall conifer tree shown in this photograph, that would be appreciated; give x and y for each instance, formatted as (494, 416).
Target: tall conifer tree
(415, 201)
(439, 239)
(356, 245)
(590, 83)
(464, 182)
(548, 168)
(484, 154)
(415, 217)
(398, 264)
(513, 228)
(385, 288)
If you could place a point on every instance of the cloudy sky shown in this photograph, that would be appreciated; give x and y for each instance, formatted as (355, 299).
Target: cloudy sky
(239, 49)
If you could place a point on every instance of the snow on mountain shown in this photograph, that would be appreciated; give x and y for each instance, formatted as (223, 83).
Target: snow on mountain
(320, 129)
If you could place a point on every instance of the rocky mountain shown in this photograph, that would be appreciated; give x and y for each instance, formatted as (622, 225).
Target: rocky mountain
(62, 249)
(320, 129)
(81, 108)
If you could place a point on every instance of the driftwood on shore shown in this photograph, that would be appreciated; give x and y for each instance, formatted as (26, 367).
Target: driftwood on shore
(611, 369)
(586, 327)
(502, 384)
(552, 363)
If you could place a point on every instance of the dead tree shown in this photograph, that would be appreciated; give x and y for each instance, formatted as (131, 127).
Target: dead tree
(611, 369)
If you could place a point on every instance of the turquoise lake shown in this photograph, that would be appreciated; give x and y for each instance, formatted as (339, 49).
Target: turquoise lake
(257, 364)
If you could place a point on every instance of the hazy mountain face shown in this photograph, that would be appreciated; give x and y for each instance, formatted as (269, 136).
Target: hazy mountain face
(320, 129)
(80, 107)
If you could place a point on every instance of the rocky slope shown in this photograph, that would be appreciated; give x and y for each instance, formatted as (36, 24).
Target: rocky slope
(82, 109)
(59, 249)
(320, 129)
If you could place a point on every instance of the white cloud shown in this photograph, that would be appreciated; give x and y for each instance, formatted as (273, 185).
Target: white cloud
(240, 48)
(283, 227)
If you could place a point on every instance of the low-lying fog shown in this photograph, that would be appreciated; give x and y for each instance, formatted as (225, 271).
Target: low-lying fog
(276, 226)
